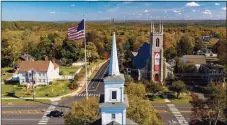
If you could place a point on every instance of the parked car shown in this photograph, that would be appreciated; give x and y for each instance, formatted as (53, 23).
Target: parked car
(56, 113)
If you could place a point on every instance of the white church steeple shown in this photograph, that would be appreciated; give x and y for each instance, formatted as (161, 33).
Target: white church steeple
(114, 68)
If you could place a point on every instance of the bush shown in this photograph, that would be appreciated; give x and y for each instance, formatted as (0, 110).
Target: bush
(50, 83)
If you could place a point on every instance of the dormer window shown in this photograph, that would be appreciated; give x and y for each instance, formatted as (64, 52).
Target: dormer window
(114, 95)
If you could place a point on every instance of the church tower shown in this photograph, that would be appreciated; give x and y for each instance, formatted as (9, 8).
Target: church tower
(157, 60)
(113, 107)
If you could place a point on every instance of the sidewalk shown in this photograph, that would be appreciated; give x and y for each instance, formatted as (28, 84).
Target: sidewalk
(80, 88)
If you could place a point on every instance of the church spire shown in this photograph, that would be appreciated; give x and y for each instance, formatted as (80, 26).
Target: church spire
(114, 68)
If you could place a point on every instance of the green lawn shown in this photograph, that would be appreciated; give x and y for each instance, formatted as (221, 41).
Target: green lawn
(22, 101)
(68, 70)
(57, 88)
(183, 99)
(157, 99)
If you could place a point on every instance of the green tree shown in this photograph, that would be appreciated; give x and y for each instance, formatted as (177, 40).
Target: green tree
(178, 87)
(92, 53)
(153, 88)
(69, 51)
(185, 45)
(84, 112)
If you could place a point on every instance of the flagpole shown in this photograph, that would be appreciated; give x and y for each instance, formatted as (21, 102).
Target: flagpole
(85, 59)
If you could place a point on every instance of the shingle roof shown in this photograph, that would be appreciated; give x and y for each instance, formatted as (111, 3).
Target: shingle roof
(55, 65)
(194, 59)
(143, 55)
(40, 66)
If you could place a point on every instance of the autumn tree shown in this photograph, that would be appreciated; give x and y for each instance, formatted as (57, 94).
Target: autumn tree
(140, 110)
(84, 112)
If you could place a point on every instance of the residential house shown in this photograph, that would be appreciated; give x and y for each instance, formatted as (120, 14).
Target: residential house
(42, 72)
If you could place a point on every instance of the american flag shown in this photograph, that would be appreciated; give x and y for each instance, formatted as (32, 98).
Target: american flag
(77, 32)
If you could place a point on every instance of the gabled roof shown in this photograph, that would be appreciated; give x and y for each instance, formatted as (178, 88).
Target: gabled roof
(39, 66)
(55, 65)
(143, 55)
(134, 53)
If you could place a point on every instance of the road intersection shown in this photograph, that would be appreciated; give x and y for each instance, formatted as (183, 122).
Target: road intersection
(36, 114)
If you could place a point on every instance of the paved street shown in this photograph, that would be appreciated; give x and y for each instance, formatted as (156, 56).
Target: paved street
(167, 115)
(35, 114)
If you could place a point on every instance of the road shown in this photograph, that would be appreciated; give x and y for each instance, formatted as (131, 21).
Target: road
(167, 115)
(35, 114)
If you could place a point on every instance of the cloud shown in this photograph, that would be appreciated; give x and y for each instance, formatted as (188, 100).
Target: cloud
(52, 12)
(99, 11)
(175, 11)
(224, 8)
(192, 4)
(207, 12)
(112, 9)
(193, 10)
(146, 11)
(72, 5)
(165, 11)
(217, 4)
(140, 14)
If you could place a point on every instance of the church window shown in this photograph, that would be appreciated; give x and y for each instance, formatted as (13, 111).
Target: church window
(113, 116)
(157, 42)
(114, 94)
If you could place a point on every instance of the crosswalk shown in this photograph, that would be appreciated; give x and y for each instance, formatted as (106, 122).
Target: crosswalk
(83, 94)
(44, 119)
(180, 118)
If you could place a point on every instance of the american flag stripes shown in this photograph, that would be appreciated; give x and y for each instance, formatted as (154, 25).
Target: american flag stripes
(77, 32)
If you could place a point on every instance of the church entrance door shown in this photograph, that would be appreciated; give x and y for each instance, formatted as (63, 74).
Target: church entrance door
(156, 77)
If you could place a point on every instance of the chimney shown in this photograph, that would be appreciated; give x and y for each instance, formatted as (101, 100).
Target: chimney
(46, 58)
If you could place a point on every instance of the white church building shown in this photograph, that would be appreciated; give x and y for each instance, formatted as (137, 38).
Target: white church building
(115, 102)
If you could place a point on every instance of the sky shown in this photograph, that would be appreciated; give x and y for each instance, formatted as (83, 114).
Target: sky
(74, 11)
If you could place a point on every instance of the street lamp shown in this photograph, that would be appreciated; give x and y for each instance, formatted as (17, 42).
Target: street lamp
(33, 82)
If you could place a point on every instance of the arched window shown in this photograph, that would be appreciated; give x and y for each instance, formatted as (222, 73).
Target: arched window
(157, 42)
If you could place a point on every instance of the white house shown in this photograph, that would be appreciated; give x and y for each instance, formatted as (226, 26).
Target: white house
(42, 72)
(113, 107)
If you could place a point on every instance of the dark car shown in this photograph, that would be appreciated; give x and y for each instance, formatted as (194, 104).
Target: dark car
(56, 113)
